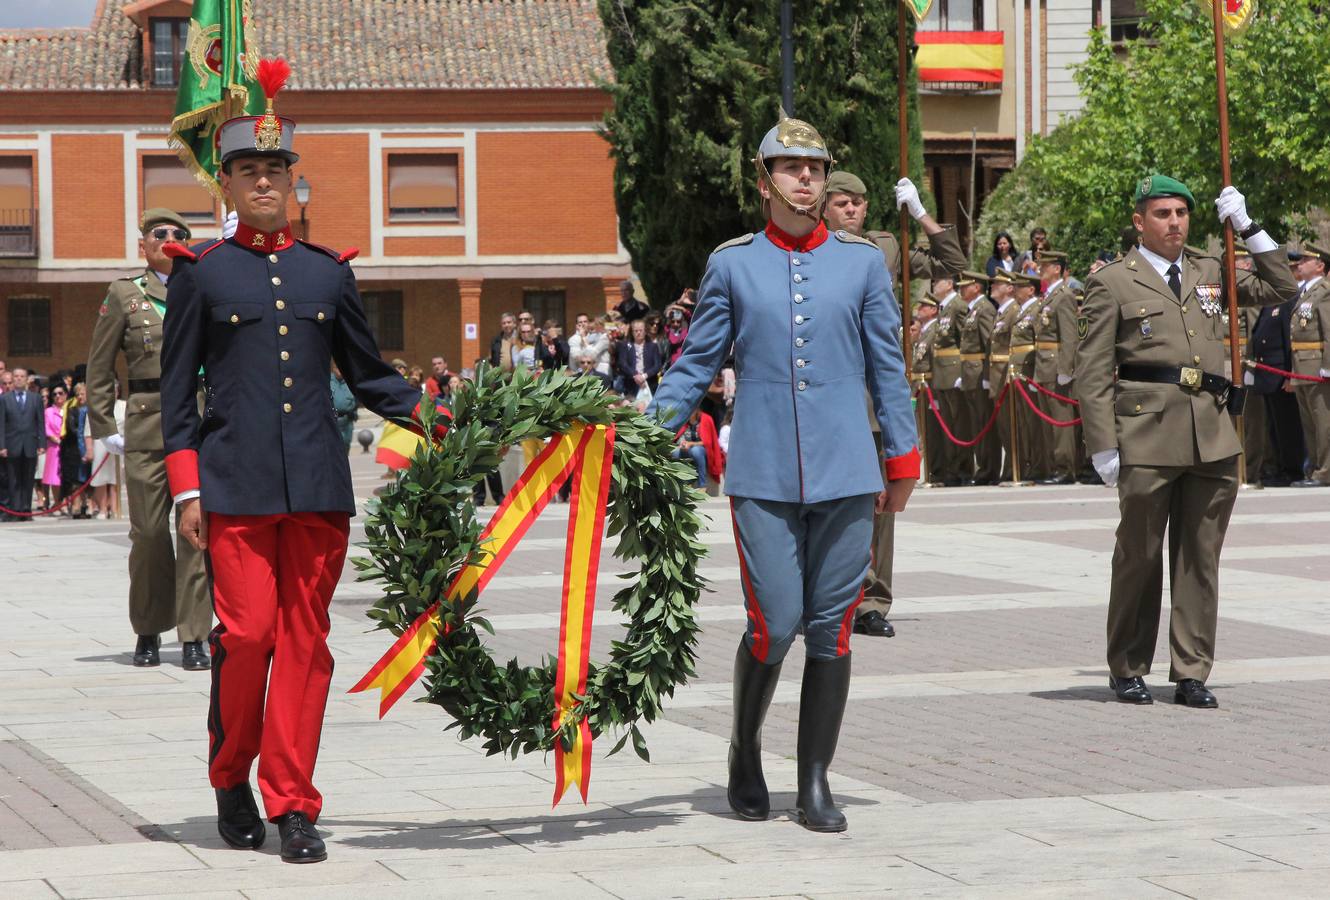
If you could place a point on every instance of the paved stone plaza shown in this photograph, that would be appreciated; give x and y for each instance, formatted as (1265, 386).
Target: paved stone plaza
(981, 757)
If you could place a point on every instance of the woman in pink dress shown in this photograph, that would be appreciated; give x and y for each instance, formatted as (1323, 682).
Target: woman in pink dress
(55, 424)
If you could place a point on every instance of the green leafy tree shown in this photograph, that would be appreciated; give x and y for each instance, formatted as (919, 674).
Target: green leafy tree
(1153, 109)
(697, 84)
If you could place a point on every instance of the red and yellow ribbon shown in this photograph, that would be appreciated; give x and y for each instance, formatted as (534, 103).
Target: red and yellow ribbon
(585, 453)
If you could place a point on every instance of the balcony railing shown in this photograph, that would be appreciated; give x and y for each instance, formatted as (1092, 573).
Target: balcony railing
(18, 233)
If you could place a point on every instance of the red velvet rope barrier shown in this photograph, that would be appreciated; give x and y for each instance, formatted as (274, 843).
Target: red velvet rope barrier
(1295, 376)
(1056, 396)
(63, 503)
(932, 404)
(1039, 412)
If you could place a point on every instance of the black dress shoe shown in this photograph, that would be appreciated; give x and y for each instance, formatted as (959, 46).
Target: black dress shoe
(300, 841)
(875, 624)
(193, 658)
(238, 820)
(1131, 690)
(1089, 478)
(1059, 479)
(1309, 482)
(1276, 481)
(951, 482)
(1195, 694)
(147, 650)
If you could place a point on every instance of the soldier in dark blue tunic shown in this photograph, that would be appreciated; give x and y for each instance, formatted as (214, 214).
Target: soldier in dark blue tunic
(262, 479)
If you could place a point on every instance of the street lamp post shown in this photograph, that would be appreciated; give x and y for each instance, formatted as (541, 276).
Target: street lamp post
(787, 56)
(302, 198)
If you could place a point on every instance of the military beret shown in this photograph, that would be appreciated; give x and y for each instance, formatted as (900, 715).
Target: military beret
(1322, 253)
(842, 182)
(1052, 256)
(969, 276)
(1152, 186)
(159, 214)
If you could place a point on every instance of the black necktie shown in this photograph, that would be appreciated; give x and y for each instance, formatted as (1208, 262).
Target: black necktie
(1175, 281)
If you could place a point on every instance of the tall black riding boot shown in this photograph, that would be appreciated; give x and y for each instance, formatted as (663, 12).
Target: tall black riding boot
(754, 684)
(821, 707)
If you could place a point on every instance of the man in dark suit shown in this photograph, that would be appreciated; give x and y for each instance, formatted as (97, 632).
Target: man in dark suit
(639, 361)
(20, 427)
(1270, 344)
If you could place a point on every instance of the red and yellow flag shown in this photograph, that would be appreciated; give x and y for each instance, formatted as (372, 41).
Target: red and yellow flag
(585, 453)
(1237, 14)
(970, 56)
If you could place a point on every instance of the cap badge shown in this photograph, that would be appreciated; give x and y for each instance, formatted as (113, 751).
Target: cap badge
(1145, 185)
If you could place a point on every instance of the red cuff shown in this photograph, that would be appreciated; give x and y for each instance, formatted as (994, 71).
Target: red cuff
(898, 467)
(182, 471)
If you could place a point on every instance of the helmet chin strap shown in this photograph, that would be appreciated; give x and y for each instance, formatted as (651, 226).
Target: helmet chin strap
(812, 210)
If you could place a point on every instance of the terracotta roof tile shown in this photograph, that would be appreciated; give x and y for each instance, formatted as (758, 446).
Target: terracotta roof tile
(347, 45)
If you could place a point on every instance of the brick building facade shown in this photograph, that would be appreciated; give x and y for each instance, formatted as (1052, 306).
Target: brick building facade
(454, 142)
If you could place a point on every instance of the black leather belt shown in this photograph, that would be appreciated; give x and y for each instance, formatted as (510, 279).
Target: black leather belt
(145, 385)
(1188, 376)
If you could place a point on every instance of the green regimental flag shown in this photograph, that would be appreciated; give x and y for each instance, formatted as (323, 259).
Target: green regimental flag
(217, 81)
(920, 8)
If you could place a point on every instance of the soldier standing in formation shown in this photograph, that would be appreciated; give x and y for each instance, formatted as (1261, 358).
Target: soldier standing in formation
(813, 322)
(1003, 291)
(921, 373)
(1153, 320)
(1030, 430)
(262, 479)
(951, 470)
(1055, 347)
(168, 588)
(1309, 338)
(847, 210)
(976, 331)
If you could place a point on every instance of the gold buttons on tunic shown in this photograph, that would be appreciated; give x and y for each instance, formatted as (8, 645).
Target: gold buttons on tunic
(1138, 407)
(276, 280)
(281, 329)
(287, 382)
(1191, 332)
(1196, 359)
(1142, 310)
(1184, 307)
(320, 317)
(285, 356)
(234, 319)
(272, 257)
(286, 407)
(281, 304)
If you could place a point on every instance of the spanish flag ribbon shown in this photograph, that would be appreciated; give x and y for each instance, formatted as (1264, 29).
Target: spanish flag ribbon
(585, 453)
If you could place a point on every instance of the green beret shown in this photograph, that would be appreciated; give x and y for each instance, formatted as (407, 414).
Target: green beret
(969, 276)
(158, 215)
(842, 182)
(1162, 186)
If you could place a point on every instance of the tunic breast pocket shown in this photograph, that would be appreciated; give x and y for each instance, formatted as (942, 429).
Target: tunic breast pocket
(236, 313)
(1142, 318)
(318, 313)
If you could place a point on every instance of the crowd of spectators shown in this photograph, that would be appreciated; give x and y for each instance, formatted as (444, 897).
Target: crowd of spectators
(47, 454)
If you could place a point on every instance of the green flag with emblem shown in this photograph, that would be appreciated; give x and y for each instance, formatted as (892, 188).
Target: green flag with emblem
(920, 8)
(217, 81)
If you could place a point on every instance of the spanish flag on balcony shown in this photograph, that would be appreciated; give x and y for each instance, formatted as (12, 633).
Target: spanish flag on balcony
(969, 56)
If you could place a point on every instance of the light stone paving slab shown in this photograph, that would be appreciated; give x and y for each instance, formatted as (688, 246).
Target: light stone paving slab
(1291, 885)
(260, 874)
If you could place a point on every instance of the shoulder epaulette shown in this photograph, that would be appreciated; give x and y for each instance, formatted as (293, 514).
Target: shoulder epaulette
(846, 238)
(735, 242)
(343, 257)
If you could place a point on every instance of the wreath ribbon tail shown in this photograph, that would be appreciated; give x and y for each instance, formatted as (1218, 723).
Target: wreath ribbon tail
(581, 569)
(404, 662)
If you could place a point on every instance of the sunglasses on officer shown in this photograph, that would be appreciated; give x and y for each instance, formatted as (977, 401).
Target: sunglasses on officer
(165, 233)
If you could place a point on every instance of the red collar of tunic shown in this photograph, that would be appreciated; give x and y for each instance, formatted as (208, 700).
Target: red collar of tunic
(263, 241)
(815, 238)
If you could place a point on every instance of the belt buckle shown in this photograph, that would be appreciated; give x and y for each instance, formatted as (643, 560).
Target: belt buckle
(1190, 377)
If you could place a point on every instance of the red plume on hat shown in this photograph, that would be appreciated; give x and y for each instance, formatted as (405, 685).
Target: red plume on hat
(272, 77)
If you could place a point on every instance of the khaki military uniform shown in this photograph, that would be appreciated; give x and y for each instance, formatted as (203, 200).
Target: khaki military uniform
(952, 463)
(1031, 441)
(999, 356)
(166, 590)
(1176, 444)
(1309, 333)
(921, 373)
(976, 333)
(1055, 354)
(942, 257)
(1255, 437)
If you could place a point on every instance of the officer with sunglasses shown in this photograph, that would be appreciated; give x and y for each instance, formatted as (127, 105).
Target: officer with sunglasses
(168, 588)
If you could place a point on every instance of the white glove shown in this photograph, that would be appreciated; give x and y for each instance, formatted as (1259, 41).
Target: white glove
(957, 384)
(229, 224)
(985, 383)
(1107, 463)
(1248, 378)
(114, 444)
(1232, 206)
(907, 195)
(1325, 373)
(1064, 379)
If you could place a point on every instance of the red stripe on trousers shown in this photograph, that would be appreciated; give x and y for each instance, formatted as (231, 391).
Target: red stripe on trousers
(847, 626)
(761, 638)
(273, 578)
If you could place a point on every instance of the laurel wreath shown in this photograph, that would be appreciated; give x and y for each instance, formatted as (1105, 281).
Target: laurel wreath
(423, 529)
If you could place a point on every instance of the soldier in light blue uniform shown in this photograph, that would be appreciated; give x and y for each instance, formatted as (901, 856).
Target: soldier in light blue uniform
(813, 323)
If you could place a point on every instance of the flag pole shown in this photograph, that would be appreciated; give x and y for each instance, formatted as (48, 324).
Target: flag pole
(1230, 259)
(902, 116)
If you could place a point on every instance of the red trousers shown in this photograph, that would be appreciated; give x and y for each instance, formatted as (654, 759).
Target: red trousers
(273, 578)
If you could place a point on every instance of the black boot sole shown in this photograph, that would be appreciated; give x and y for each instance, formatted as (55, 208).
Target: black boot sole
(834, 828)
(300, 860)
(244, 845)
